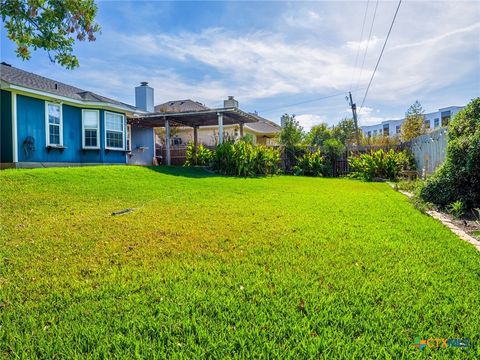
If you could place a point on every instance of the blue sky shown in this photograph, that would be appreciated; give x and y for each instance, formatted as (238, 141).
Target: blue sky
(275, 57)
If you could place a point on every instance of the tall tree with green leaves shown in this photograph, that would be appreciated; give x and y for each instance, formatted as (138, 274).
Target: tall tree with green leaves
(52, 25)
(414, 123)
(290, 137)
(344, 131)
(291, 133)
(318, 134)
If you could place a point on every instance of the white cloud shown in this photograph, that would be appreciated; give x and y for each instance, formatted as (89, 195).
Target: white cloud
(309, 120)
(302, 18)
(362, 45)
(366, 116)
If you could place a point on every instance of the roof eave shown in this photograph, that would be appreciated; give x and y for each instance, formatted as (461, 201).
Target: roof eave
(49, 95)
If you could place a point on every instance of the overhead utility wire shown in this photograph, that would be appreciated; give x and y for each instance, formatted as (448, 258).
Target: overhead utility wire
(368, 43)
(360, 43)
(303, 102)
(381, 53)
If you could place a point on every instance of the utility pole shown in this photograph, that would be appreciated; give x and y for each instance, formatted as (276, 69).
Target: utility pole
(354, 112)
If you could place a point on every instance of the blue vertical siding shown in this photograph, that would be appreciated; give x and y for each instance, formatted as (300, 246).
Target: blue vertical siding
(6, 143)
(31, 122)
(142, 137)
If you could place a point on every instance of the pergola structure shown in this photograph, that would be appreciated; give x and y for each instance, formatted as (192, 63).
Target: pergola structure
(194, 119)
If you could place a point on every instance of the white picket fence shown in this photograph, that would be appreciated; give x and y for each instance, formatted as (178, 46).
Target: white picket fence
(429, 151)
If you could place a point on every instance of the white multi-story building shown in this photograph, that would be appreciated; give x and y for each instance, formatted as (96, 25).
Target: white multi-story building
(433, 120)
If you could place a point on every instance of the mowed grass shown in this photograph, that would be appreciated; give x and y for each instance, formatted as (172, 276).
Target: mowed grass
(217, 267)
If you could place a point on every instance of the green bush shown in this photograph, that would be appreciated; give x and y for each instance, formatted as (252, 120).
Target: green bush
(459, 177)
(310, 163)
(380, 164)
(242, 158)
(202, 157)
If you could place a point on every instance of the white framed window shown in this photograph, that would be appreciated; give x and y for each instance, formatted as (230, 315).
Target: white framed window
(114, 131)
(90, 129)
(54, 124)
(129, 138)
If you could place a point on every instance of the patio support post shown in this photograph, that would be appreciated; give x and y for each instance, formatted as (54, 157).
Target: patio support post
(220, 128)
(241, 130)
(167, 141)
(195, 137)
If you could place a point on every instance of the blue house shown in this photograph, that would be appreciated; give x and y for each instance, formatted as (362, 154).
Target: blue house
(44, 122)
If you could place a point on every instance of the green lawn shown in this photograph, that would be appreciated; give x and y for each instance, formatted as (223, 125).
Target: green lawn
(210, 266)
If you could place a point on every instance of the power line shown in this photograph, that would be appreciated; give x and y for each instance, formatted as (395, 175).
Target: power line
(360, 43)
(303, 102)
(381, 53)
(368, 42)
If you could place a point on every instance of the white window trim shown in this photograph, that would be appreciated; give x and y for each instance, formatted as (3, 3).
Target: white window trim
(47, 124)
(129, 138)
(124, 128)
(98, 130)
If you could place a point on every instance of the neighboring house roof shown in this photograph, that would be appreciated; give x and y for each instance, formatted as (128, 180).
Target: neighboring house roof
(180, 106)
(263, 126)
(15, 76)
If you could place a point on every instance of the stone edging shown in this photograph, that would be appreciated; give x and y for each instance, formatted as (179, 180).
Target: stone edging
(448, 223)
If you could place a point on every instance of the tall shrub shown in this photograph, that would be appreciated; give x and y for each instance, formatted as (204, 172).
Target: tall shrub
(242, 158)
(310, 164)
(201, 157)
(380, 164)
(459, 177)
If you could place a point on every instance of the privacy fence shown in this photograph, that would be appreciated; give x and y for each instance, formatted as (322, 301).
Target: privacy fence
(429, 151)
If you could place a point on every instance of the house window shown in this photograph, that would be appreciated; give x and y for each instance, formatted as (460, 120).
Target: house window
(436, 122)
(114, 131)
(445, 117)
(386, 130)
(397, 129)
(369, 134)
(427, 124)
(91, 129)
(54, 124)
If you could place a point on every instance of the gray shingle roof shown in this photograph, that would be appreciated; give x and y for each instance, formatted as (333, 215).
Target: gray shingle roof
(264, 126)
(180, 106)
(15, 76)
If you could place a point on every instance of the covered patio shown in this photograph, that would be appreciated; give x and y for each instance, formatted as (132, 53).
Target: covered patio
(194, 119)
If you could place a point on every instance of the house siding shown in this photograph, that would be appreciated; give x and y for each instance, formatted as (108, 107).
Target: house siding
(142, 137)
(31, 122)
(6, 140)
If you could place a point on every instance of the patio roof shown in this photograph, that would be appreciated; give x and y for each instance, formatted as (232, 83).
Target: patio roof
(193, 118)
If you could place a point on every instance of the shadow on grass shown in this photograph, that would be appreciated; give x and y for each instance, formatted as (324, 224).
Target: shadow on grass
(189, 172)
(197, 172)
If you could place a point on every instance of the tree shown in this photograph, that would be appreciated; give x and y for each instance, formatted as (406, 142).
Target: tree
(318, 134)
(52, 25)
(292, 133)
(290, 136)
(344, 131)
(414, 123)
(459, 176)
(334, 149)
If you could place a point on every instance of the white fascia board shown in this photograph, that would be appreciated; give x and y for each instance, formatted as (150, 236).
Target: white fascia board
(66, 100)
